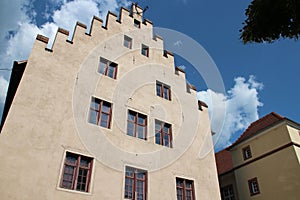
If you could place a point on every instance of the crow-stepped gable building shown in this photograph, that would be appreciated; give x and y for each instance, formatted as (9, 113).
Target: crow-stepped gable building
(105, 116)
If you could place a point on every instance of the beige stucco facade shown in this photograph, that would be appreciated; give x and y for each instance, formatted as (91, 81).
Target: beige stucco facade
(274, 163)
(50, 111)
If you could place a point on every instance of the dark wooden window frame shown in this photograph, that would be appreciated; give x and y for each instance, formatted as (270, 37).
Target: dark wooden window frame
(250, 182)
(161, 92)
(228, 187)
(77, 166)
(245, 151)
(108, 65)
(163, 133)
(129, 40)
(100, 111)
(137, 124)
(184, 188)
(135, 179)
(145, 50)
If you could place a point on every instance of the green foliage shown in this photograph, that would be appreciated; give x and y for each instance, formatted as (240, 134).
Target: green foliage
(269, 20)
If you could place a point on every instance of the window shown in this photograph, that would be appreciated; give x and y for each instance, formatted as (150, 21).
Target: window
(145, 50)
(163, 91)
(247, 152)
(135, 184)
(227, 193)
(77, 172)
(127, 42)
(185, 189)
(253, 186)
(100, 112)
(137, 125)
(137, 23)
(163, 133)
(108, 68)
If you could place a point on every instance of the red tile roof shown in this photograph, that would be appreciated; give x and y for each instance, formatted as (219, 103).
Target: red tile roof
(223, 161)
(258, 125)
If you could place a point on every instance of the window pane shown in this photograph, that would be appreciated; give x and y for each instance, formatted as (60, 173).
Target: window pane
(104, 120)
(128, 188)
(127, 42)
(130, 129)
(93, 117)
(141, 119)
(84, 162)
(106, 107)
(179, 194)
(158, 90)
(140, 175)
(131, 116)
(95, 103)
(102, 66)
(188, 184)
(141, 132)
(157, 138)
(166, 93)
(166, 140)
(166, 128)
(179, 182)
(81, 179)
(157, 126)
(71, 158)
(111, 71)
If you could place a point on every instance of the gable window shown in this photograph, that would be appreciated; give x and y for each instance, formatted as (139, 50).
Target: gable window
(108, 68)
(137, 23)
(100, 112)
(163, 90)
(77, 172)
(145, 50)
(127, 42)
(163, 133)
(137, 125)
(135, 184)
(227, 193)
(253, 186)
(247, 152)
(185, 189)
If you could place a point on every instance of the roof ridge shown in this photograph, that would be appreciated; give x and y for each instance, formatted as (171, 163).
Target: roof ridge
(249, 131)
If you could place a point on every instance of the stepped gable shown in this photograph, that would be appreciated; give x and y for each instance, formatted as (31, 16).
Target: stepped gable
(223, 161)
(258, 125)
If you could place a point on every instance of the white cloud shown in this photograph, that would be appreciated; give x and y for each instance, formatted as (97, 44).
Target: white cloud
(3, 88)
(14, 19)
(71, 12)
(232, 112)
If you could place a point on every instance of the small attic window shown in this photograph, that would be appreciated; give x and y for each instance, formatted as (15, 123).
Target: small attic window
(127, 42)
(137, 23)
(145, 50)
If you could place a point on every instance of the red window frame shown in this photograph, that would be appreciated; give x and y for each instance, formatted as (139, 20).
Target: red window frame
(79, 179)
(132, 180)
(100, 112)
(108, 65)
(160, 91)
(247, 154)
(129, 40)
(162, 133)
(253, 186)
(145, 50)
(136, 124)
(183, 190)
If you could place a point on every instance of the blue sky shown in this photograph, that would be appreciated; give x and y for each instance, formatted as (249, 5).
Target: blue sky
(259, 78)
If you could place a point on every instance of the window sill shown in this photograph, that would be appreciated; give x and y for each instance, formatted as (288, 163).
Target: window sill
(74, 191)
